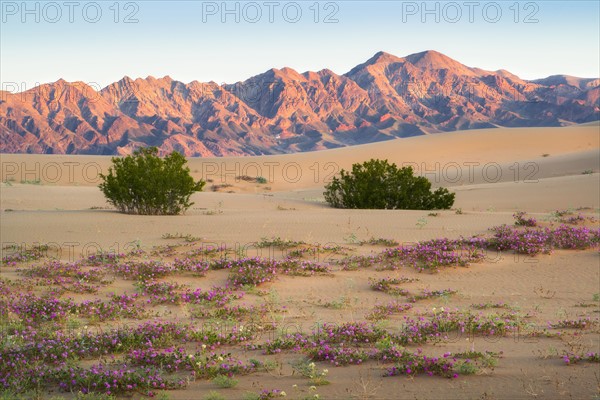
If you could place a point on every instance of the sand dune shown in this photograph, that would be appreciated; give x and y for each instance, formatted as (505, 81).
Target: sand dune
(542, 171)
(508, 177)
(474, 156)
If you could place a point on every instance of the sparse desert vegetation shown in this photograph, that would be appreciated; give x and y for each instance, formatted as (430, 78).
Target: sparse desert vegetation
(264, 297)
(67, 330)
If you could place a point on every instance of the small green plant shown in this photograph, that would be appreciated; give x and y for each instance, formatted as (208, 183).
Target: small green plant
(309, 370)
(377, 184)
(458, 211)
(278, 242)
(488, 305)
(338, 304)
(187, 237)
(489, 359)
(94, 396)
(224, 381)
(247, 178)
(144, 183)
(218, 210)
(384, 344)
(521, 219)
(467, 368)
(282, 208)
(583, 304)
(212, 395)
(352, 238)
(379, 242)
(421, 222)
(587, 172)
(268, 365)
(31, 182)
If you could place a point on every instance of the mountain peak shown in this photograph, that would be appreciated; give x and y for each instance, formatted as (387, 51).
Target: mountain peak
(124, 81)
(382, 57)
(283, 73)
(433, 60)
(431, 57)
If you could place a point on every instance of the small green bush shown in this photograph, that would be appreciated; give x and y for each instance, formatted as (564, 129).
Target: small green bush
(224, 381)
(212, 395)
(376, 184)
(144, 183)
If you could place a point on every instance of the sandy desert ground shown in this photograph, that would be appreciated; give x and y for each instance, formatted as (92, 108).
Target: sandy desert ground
(54, 200)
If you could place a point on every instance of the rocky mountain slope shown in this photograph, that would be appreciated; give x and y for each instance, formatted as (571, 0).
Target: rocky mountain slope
(283, 111)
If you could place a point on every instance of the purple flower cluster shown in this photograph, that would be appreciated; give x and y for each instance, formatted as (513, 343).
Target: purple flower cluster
(251, 271)
(34, 309)
(67, 276)
(103, 258)
(581, 323)
(119, 307)
(142, 270)
(217, 295)
(428, 255)
(161, 292)
(18, 254)
(337, 355)
(37, 360)
(290, 266)
(413, 364)
(574, 238)
(572, 358)
(100, 378)
(535, 241)
(177, 359)
(197, 267)
(432, 254)
(440, 324)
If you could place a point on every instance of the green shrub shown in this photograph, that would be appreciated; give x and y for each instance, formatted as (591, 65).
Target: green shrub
(224, 381)
(212, 395)
(376, 184)
(144, 183)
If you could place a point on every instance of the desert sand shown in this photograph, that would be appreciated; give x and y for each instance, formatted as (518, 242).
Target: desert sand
(495, 173)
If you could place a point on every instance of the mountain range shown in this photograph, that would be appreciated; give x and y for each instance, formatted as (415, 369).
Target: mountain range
(284, 111)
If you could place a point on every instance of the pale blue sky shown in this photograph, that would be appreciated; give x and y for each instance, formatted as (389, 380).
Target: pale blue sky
(171, 38)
